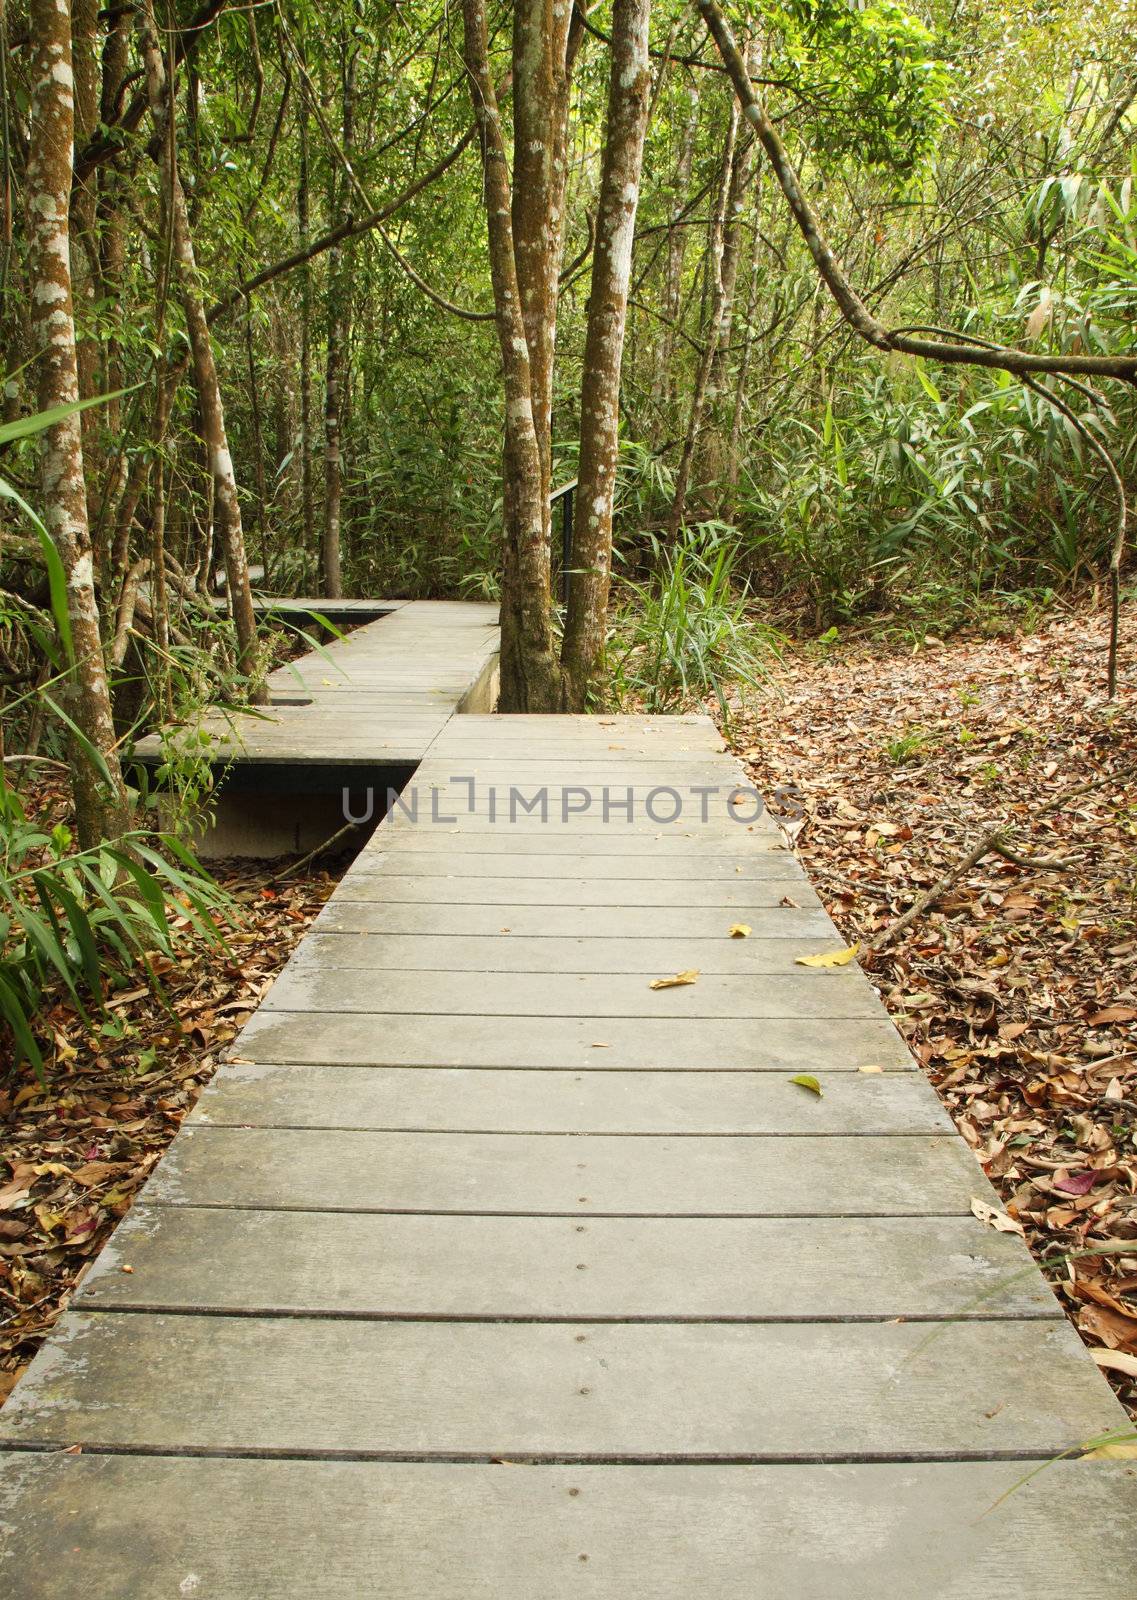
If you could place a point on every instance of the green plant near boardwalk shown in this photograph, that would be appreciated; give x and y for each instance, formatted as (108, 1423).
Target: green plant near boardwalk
(686, 632)
(88, 921)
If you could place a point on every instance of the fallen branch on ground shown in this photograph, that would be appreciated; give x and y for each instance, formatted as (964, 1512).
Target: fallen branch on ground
(994, 842)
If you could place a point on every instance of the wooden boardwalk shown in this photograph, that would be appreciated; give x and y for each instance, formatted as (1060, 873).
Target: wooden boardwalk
(369, 704)
(486, 1269)
(379, 695)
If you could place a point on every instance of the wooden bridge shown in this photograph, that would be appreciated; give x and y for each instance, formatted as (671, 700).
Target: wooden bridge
(489, 1268)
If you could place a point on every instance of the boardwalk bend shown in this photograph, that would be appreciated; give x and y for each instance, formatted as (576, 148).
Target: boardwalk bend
(485, 1269)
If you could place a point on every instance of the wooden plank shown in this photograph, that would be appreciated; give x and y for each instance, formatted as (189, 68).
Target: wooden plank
(665, 846)
(456, 1099)
(786, 1044)
(288, 1530)
(185, 1259)
(436, 819)
(844, 992)
(615, 1391)
(391, 861)
(510, 952)
(575, 921)
(596, 891)
(553, 1174)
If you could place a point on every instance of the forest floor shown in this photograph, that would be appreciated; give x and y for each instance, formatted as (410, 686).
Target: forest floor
(1017, 991)
(76, 1148)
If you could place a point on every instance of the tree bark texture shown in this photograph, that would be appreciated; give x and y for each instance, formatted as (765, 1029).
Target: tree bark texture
(100, 808)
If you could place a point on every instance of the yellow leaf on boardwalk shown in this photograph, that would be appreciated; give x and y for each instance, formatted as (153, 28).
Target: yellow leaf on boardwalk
(806, 1080)
(830, 958)
(740, 930)
(677, 982)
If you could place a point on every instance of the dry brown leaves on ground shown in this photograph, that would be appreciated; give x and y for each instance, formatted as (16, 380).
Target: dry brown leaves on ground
(1018, 990)
(75, 1149)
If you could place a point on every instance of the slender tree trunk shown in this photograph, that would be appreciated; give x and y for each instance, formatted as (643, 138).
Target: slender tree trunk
(710, 331)
(336, 375)
(227, 506)
(542, 38)
(333, 465)
(261, 522)
(734, 451)
(530, 672)
(111, 230)
(84, 254)
(628, 92)
(663, 389)
(307, 402)
(100, 810)
(15, 339)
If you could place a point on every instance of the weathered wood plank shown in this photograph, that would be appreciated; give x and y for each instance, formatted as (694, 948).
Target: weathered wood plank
(595, 891)
(187, 1259)
(458, 840)
(844, 992)
(618, 1391)
(575, 921)
(392, 861)
(286, 1530)
(455, 1099)
(782, 1044)
(899, 1175)
(511, 952)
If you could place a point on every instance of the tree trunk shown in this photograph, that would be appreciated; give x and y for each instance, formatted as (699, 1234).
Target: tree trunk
(541, 76)
(227, 506)
(663, 388)
(628, 92)
(84, 254)
(336, 375)
(307, 406)
(734, 451)
(333, 464)
(100, 809)
(710, 331)
(530, 672)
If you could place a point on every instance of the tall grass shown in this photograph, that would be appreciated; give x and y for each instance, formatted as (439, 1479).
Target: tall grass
(686, 632)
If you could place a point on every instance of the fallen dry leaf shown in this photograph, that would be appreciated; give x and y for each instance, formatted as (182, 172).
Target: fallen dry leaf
(829, 958)
(740, 930)
(678, 981)
(994, 1218)
(1116, 1361)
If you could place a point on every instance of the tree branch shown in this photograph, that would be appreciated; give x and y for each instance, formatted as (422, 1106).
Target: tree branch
(1001, 357)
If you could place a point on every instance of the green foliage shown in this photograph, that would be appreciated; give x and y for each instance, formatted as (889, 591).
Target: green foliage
(87, 921)
(870, 74)
(907, 746)
(686, 633)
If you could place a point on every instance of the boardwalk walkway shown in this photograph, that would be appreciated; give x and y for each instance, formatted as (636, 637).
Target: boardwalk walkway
(486, 1269)
(380, 694)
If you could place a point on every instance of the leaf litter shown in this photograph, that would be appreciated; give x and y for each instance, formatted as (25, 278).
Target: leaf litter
(1017, 989)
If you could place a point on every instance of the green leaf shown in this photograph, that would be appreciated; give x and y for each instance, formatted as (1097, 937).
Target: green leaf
(806, 1080)
(12, 1010)
(24, 427)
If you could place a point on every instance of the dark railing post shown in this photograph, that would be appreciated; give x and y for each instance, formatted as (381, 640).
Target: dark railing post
(566, 544)
(566, 494)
